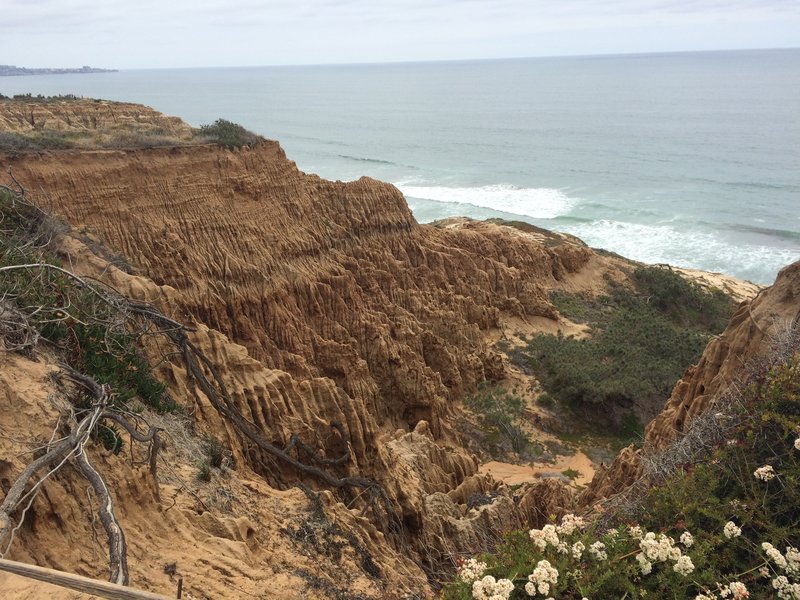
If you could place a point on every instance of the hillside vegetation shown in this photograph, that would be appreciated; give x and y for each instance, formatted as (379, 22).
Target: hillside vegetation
(641, 339)
(716, 518)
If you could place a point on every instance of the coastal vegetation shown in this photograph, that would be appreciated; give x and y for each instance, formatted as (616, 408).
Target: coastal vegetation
(227, 134)
(83, 131)
(42, 303)
(641, 339)
(500, 416)
(714, 515)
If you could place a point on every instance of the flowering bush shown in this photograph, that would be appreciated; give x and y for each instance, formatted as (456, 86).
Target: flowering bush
(713, 530)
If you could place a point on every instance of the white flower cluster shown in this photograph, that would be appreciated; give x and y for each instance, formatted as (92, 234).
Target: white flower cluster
(793, 561)
(545, 536)
(598, 551)
(683, 565)
(577, 550)
(735, 590)
(661, 549)
(543, 576)
(790, 562)
(471, 570)
(765, 473)
(797, 444)
(636, 532)
(785, 589)
(774, 555)
(548, 535)
(731, 530)
(686, 539)
(489, 589)
(569, 523)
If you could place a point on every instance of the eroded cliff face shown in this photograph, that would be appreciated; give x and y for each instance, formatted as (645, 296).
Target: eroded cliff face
(752, 332)
(315, 278)
(319, 302)
(97, 118)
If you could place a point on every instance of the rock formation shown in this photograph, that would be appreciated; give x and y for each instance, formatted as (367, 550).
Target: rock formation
(319, 302)
(86, 117)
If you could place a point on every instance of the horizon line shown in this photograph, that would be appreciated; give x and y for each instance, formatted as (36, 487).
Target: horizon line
(464, 60)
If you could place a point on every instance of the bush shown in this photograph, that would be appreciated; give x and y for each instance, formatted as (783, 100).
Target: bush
(228, 134)
(76, 319)
(113, 359)
(215, 452)
(203, 471)
(499, 413)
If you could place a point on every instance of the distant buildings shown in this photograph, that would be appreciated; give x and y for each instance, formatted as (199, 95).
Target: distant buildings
(11, 70)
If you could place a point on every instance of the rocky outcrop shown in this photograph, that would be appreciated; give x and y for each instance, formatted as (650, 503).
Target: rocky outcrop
(752, 332)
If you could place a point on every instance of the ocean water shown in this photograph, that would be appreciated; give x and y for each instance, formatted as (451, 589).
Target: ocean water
(691, 159)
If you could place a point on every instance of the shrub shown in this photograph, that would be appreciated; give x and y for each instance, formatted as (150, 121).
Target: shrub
(228, 134)
(203, 471)
(110, 437)
(642, 339)
(215, 452)
(499, 413)
(76, 319)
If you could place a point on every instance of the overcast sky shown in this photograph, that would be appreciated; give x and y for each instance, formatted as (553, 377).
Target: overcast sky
(195, 33)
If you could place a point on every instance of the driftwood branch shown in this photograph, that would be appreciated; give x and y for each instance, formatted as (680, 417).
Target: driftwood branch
(77, 582)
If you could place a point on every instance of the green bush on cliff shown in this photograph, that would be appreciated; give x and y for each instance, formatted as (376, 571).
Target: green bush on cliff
(724, 524)
(642, 340)
(499, 413)
(228, 134)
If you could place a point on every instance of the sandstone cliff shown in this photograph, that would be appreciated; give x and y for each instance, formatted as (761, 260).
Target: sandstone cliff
(319, 302)
(98, 117)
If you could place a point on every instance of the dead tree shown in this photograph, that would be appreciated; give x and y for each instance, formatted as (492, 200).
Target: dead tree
(75, 429)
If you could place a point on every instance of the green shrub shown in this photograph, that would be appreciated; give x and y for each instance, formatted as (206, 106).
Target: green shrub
(215, 452)
(499, 413)
(113, 359)
(110, 437)
(90, 330)
(228, 134)
(203, 471)
(684, 302)
(642, 340)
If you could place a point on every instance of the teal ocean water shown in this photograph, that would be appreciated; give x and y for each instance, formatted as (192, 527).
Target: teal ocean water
(692, 159)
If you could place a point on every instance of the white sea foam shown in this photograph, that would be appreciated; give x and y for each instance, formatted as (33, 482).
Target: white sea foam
(539, 203)
(691, 249)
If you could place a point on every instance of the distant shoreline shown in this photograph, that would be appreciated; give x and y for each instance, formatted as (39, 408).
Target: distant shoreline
(13, 71)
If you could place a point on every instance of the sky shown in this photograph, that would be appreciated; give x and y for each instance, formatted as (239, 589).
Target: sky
(129, 34)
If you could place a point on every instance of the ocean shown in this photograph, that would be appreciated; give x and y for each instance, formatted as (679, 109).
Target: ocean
(691, 159)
